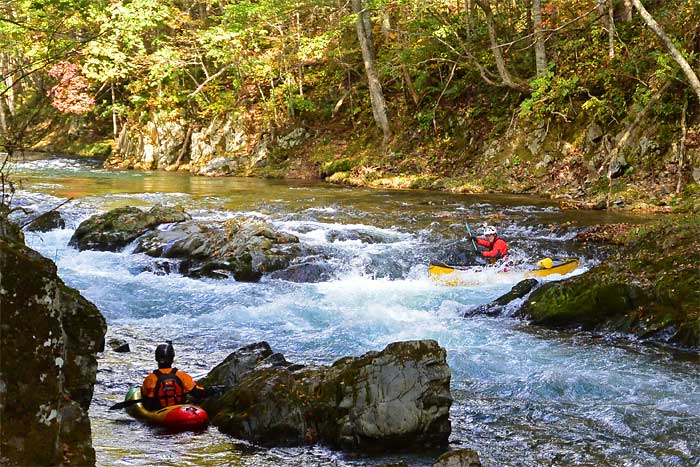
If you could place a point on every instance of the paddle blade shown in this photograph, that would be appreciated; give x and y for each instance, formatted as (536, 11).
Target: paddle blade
(125, 404)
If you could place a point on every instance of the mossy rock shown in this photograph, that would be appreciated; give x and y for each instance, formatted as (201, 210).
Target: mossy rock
(47, 221)
(114, 230)
(583, 302)
(649, 287)
(49, 337)
(338, 165)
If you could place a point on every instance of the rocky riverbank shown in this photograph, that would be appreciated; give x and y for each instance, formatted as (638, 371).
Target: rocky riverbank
(648, 287)
(567, 161)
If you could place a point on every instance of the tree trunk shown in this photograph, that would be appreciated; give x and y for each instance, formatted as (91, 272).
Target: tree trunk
(497, 55)
(364, 36)
(3, 120)
(627, 11)
(611, 30)
(183, 149)
(115, 128)
(681, 149)
(606, 10)
(675, 53)
(468, 17)
(540, 53)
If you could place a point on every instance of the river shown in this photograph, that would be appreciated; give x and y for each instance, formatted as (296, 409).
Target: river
(523, 396)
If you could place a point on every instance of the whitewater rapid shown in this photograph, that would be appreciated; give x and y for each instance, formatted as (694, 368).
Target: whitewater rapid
(523, 396)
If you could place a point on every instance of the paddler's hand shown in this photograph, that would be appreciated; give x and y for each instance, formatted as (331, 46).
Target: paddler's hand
(215, 390)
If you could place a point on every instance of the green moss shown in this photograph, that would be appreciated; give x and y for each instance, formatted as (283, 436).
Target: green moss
(344, 164)
(99, 149)
(650, 287)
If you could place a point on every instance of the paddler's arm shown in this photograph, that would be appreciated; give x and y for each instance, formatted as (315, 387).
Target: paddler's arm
(148, 392)
(190, 387)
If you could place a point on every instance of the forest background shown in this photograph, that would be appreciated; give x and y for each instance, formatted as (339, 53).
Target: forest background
(594, 102)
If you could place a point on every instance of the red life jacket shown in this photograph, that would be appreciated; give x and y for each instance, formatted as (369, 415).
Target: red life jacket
(169, 388)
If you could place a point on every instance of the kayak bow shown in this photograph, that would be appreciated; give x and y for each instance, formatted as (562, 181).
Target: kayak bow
(181, 417)
(558, 266)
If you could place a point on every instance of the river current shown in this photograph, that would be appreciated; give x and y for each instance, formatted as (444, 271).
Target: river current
(523, 396)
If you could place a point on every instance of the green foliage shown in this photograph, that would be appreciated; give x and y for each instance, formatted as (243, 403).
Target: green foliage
(284, 62)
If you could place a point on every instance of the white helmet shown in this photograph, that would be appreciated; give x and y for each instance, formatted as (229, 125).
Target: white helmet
(490, 230)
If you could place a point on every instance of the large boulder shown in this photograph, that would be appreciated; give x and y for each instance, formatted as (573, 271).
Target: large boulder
(649, 287)
(49, 337)
(393, 399)
(115, 229)
(243, 248)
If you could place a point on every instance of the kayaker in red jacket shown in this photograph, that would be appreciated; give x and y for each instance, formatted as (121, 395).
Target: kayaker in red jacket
(497, 248)
(167, 385)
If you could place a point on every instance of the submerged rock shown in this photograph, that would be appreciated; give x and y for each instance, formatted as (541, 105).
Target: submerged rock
(496, 307)
(49, 337)
(119, 345)
(305, 272)
(459, 458)
(115, 229)
(48, 221)
(394, 399)
(245, 249)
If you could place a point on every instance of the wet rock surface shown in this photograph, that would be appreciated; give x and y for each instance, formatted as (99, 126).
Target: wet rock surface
(648, 287)
(115, 229)
(498, 306)
(459, 458)
(46, 222)
(245, 249)
(395, 399)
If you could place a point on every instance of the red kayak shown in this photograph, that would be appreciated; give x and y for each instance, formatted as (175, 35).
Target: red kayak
(181, 417)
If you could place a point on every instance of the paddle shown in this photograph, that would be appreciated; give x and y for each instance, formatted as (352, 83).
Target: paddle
(469, 231)
(210, 391)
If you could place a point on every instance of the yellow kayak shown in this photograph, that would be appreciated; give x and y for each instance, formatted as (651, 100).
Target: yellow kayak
(550, 266)
(447, 274)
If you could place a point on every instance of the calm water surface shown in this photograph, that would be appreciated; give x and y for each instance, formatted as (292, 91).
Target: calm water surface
(523, 396)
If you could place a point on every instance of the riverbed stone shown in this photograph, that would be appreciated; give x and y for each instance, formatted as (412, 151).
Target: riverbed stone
(49, 338)
(305, 272)
(243, 248)
(394, 399)
(459, 458)
(115, 229)
(238, 363)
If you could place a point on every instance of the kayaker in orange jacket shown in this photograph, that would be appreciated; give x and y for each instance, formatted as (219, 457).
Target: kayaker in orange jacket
(497, 248)
(167, 385)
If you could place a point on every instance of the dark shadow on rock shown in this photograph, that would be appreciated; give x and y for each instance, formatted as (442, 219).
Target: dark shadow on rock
(497, 307)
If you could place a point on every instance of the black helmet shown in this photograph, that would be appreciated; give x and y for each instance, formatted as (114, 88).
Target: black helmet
(165, 354)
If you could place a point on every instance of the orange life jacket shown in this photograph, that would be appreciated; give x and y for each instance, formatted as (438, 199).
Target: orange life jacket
(169, 388)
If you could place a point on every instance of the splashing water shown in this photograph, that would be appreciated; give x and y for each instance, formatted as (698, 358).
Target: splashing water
(523, 396)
